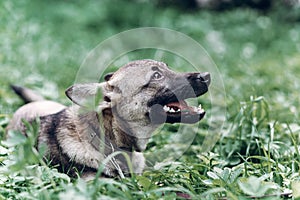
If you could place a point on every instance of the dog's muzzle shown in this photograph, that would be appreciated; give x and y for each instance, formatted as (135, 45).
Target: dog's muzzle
(169, 105)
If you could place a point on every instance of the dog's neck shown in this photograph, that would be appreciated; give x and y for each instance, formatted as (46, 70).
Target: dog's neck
(128, 136)
(125, 134)
(106, 123)
(115, 133)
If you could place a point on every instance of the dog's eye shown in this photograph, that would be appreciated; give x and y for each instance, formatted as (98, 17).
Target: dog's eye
(157, 76)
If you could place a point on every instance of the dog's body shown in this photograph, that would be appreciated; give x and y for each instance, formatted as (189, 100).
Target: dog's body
(135, 100)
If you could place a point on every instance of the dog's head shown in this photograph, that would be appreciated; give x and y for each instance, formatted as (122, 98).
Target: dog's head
(144, 94)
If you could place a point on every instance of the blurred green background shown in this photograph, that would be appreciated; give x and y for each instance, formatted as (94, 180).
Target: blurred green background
(254, 43)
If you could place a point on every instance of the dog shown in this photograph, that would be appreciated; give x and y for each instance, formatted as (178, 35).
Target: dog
(134, 101)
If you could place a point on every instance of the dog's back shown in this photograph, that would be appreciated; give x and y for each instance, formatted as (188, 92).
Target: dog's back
(36, 106)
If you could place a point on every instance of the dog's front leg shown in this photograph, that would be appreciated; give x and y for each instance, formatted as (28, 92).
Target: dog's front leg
(138, 162)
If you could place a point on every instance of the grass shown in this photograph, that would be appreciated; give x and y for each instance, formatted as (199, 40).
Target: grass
(257, 155)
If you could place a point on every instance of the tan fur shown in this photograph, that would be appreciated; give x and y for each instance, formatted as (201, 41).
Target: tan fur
(33, 110)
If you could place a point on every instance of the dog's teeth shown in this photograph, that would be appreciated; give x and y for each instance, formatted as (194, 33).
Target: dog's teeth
(166, 108)
(200, 111)
(170, 109)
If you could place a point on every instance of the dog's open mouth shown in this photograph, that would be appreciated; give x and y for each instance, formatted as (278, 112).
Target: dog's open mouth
(169, 104)
(182, 107)
(181, 112)
(176, 111)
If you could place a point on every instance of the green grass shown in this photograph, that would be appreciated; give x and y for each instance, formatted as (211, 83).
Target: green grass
(257, 156)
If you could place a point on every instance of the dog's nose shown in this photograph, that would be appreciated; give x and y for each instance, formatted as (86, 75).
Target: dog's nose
(204, 77)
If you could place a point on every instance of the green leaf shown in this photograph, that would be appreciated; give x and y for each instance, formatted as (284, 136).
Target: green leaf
(14, 138)
(296, 189)
(255, 187)
(144, 182)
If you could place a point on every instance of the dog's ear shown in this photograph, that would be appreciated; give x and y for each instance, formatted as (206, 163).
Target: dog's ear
(84, 94)
(108, 76)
